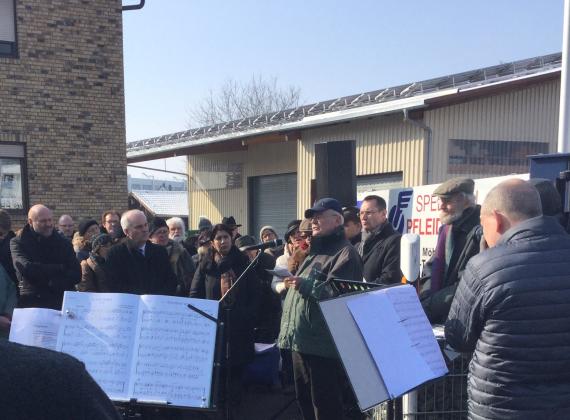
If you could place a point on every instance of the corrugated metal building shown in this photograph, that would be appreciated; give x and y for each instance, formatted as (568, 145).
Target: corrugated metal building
(478, 123)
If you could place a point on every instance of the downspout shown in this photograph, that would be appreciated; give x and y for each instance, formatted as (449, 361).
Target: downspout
(133, 6)
(428, 132)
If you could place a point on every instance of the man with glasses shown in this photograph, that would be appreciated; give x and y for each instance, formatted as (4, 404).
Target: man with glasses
(318, 377)
(380, 245)
(458, 240)
(111, 224)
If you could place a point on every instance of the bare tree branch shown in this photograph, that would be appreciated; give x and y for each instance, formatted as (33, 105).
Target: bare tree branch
(238, 100)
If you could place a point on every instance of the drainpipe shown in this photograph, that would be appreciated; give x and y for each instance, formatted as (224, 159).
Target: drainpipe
(564, 114)
(428, 131)
(133, 6)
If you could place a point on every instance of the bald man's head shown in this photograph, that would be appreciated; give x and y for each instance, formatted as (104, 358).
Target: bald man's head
(40, 218)
(66, 225)
(509, 203)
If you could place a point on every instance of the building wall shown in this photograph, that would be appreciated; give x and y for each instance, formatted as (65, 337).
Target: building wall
(529, 114)
(383, 144)
(64, 98)
(257, 160)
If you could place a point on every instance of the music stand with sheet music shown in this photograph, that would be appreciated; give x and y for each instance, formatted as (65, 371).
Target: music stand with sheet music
(375, 377)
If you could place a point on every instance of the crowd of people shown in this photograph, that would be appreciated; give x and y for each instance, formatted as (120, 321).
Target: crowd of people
(508, 305)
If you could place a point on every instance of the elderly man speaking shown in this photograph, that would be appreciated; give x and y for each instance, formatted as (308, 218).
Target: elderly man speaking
(512, 309)
(303, 329)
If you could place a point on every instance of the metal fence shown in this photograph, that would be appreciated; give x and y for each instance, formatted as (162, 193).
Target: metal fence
(442, 399)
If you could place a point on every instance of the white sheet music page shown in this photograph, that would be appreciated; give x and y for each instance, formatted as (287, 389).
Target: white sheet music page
(394, 331)
(98, 329)
(35, 327)
(175, 351)
(408, 307)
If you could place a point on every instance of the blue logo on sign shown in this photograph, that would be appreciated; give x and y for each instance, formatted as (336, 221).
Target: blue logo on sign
(396, 215)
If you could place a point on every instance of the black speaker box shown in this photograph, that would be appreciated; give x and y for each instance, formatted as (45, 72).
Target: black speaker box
(335, 170)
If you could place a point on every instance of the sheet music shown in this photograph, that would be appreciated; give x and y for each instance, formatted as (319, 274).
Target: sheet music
(35, 327)
(395, 333)
(413, 318)
(174, 350)
(98, 329)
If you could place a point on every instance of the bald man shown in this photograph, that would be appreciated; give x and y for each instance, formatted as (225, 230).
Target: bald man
(512, 310)
(44, 261)
(66, 226)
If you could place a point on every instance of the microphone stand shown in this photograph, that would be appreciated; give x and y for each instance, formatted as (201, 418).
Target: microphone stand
(228, 312)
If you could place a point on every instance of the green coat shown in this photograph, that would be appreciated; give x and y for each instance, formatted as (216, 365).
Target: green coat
(303, 327)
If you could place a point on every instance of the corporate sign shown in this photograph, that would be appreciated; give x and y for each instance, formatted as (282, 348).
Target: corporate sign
(415, 210)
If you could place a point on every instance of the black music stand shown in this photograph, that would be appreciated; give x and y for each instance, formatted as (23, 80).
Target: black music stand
(227, 327)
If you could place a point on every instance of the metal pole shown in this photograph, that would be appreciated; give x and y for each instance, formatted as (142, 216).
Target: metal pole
(564, 116)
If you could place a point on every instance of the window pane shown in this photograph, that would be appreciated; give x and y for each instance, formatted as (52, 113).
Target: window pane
(11, 191)
(7, 30)
(492, 157)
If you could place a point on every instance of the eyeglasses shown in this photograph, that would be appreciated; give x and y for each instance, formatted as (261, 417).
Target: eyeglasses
(305, 236)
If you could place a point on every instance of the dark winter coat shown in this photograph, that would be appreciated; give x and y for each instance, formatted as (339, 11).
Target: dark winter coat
(268, 317)
(303, 327)
(380, 253)
(94, 276)
(241, 303)
(466, 233)
(6, 256)
(131, 272)
(43, 384)
(512, 308)
(45, 267)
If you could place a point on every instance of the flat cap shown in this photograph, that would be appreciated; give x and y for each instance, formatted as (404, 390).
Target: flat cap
(455, 185)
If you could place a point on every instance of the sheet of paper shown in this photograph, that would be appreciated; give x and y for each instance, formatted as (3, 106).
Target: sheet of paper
(175, 351)
(408, 307)
(280, 272)
(98, 329)
(396, 337)
(262, 347)
(35, 327)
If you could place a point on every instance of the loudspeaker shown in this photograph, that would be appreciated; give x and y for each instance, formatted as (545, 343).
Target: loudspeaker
(335, 170)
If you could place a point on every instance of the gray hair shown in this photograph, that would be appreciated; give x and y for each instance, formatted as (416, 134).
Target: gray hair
(125, 222)
(176, 221)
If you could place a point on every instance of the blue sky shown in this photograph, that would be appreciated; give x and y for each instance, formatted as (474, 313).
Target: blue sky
(175, 51)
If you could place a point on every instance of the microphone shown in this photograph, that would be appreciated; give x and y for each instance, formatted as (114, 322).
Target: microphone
(270, 244)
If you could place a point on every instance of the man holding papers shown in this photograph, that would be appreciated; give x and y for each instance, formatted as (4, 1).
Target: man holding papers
(303, 329)
(512, 309)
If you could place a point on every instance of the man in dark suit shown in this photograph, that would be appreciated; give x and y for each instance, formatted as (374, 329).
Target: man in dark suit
(137, 265)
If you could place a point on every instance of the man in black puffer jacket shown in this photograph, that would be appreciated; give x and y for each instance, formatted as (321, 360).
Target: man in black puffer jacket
(512, 309)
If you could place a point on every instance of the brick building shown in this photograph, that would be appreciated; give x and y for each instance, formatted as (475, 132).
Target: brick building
(62, 108)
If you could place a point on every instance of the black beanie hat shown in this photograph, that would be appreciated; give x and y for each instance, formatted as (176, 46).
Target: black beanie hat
(86, 224)
(156, 224)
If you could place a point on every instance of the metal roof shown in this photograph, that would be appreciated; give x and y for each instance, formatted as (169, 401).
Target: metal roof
(163, 203)
(407, 96)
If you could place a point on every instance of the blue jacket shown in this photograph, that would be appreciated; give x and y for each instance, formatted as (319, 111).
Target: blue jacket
(512, 310)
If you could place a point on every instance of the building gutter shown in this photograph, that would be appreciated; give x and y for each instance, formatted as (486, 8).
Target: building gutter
(429, 133)
(133, 6)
